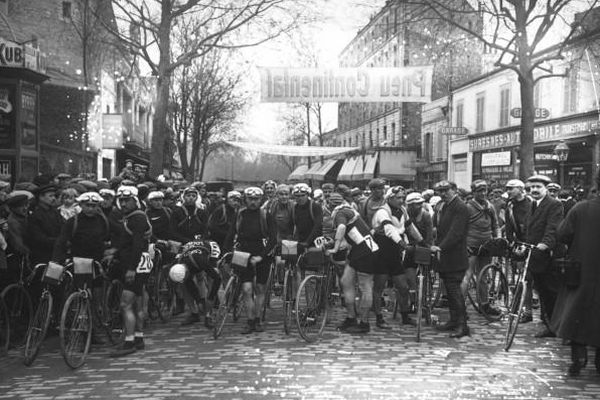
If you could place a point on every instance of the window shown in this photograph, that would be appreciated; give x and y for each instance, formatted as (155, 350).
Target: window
(480, 111)
(428, 147)
(504, 105)
(460, 107)
(570, 90)
(370, 139)
(377, 137)
(385, 133)
(66, 9)
(393, 133)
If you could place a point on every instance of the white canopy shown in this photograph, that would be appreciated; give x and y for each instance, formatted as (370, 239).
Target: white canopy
(293, 151)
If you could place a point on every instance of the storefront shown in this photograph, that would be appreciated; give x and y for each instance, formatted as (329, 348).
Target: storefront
(434, 172)
(496, 156)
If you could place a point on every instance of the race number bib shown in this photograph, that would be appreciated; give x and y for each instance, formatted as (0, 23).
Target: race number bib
(320, 242)
(145, 265)
(215, 251)
(370, 242)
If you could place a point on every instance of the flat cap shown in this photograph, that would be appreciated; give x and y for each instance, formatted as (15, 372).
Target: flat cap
(539, 178)
(515, 183)
(553, 186)
(376, 183)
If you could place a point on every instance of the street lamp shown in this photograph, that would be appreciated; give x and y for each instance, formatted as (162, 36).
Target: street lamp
(562, 153)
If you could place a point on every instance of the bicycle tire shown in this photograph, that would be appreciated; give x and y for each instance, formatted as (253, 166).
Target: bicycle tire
(311, 308)
(38, 328)
(165, 295)
(514, 315)
(268, 291)
(76, 329)
(288, 301)
(420, 305)
(239, 305)
(225, 305)
(20, 312)
(4, 328)
(113, 318)
(151, 292)
(472, 293)
(497, 293)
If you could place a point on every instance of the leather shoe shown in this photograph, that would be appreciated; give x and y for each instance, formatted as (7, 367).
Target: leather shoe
(546, 333)
(464, 331)
(448, 326)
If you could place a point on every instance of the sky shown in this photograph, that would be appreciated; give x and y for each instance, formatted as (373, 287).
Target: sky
(341, 19)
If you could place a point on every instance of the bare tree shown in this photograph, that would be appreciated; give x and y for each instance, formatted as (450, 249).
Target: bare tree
(517, 30)
(218, 24)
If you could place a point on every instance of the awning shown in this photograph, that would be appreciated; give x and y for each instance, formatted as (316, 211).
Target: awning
(312, 170)
(292, 151)
(330, 167)
(347, 169)
(358, 169)
(398, 165)
(298, 173)
(370, 165)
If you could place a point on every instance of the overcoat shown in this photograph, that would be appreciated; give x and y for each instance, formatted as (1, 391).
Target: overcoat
(576, 314)
(453, 224)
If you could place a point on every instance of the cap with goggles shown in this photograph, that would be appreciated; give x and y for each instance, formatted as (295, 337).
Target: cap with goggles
(190, 189)
(394, 191)
(234, 194)
(89, 198)
(414, 198)
(156, 195)
(253, 192)
(301, 188)
(127, 192)
(478, 184)
(553, 186)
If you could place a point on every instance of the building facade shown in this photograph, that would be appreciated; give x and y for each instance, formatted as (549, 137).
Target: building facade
(90, 108)
(399, 36)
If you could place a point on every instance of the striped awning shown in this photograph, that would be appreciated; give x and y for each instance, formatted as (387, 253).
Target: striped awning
(293, 151)
(348, 168)
(326, 168)
(368, 171)
(298, 173)
(315, 166)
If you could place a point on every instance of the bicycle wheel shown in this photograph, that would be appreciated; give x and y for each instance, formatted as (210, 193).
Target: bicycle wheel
(38, 328)
(76, 329)
(112, 306)
(239, 305)
(514, 315)
(472, 292)
(311, 307)
(152, 308)
(496, 294)
(4, 328)
(288, 301)
(20, 311)
(420, 305)
(226, 299)
(165, 295)
(268, 291)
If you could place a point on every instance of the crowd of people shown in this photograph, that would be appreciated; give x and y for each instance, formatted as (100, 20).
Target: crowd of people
(372, 235)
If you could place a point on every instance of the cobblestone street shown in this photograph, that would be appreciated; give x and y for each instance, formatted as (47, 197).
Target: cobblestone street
(188, 363)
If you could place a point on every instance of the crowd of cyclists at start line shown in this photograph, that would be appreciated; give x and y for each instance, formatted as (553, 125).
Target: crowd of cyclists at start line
(370, 235)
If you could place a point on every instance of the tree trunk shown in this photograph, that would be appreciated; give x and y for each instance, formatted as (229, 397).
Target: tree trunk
(526, 153)
(159, 122)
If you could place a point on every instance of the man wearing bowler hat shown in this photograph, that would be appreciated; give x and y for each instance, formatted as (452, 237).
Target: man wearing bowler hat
(44, 225)
(542, 221)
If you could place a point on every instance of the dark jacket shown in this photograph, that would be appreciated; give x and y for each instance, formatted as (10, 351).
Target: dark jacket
(452, 236)
(161, 223)
(541, 228)
(132, 244)
(576, 315)
(44, 227)
(220, 222)
(516, 219)
(87, 239)
(187, 222)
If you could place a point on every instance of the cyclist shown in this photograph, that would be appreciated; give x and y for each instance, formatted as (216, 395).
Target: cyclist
(108, 200)
(132, 242)
(269, 189)
(369, 206)
(308, 216)
(252, 234)
(188, 219)
(197, 257)
(388, 224)
(350, 226)
(327, 189)
(483, 226)
(223, 217)
(516, 221)
(85, 235)
(159, 216)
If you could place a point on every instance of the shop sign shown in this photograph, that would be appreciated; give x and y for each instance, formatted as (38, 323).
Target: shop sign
(454, 130)
(539, 113)
(495, 159)
(11, 54)
(544, 133)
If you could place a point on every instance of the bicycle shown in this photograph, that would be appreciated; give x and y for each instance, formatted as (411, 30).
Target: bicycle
(230, 299)
(492, 280)
(425, 287)
(54, 276)
(19, 306)
(79, 313)
(153, 306)
(314, 295)
(517, 303)
(289, 281)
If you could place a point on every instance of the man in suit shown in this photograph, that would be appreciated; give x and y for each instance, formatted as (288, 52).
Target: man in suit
(453, 220)
(542, 221)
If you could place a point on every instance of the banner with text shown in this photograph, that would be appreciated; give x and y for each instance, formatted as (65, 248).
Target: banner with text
(302, 85)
